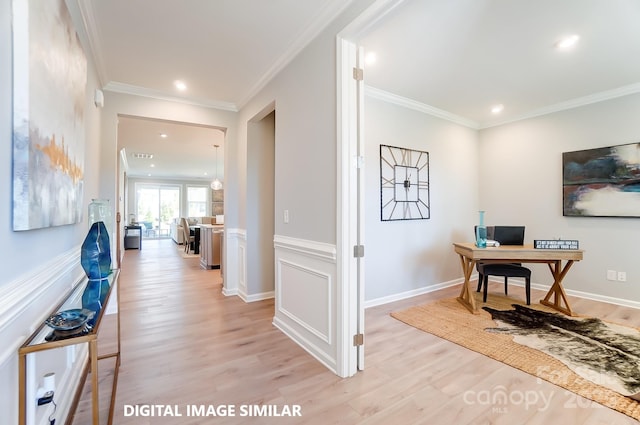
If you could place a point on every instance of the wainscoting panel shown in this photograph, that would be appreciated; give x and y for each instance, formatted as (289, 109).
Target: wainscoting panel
(298, 282)
(306, 296)
(24, 304)
(242, 268)
(235, 243)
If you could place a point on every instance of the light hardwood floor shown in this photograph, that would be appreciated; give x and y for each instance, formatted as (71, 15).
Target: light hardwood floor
(184, 343)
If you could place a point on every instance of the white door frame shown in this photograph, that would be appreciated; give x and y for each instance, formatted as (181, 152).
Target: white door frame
(350, 189)
(347, 220)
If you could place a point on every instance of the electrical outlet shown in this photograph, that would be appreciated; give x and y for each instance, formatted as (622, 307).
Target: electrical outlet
(611, 275)
(622, 276)
(285, 217)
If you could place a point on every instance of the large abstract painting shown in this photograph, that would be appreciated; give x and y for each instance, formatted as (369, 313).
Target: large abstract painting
(50, 77)
(602, 182)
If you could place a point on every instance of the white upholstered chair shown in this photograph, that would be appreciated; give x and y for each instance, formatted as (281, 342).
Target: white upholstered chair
(188, 237)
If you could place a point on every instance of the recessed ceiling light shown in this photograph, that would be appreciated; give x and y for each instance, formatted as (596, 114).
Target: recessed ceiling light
(163, 135)
(152, 165)
(567, 42)
(497, 109)
(180, 85)
(370, 58)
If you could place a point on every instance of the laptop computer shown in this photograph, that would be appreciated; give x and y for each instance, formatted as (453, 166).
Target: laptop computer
(509, 235)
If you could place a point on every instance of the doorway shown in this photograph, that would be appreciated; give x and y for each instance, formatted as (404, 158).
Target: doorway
(259, 282)
(157, 206)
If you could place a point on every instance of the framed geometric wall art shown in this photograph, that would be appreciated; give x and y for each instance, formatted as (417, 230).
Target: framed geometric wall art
(404, 184)
(49, 83)
(602, 182)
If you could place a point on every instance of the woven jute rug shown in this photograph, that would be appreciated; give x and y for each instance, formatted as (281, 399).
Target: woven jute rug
(450, 320)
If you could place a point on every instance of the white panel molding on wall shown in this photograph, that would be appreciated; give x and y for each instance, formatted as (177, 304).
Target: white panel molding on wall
(235, 241)
(306, 247)
(24, 304)
(296, 277)
(235, 271)
(306, 267)
(40, 289)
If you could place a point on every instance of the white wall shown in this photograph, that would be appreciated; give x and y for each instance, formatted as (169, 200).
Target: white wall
(307, 288)
(407, 257)
(514, 172)
(43, 244)
(521, 183)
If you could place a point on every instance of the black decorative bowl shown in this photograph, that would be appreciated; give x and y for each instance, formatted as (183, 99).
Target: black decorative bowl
(69, 319)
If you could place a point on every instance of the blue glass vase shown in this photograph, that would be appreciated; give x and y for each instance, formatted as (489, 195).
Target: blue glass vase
(100, 210)
(92, 299)
(481, 232)
(95, 257)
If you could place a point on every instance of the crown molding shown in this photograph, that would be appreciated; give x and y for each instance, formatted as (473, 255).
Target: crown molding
(329, 13)
(569, 104)
(116, 87)
(91, 31)
(404, 102)
(378, 12)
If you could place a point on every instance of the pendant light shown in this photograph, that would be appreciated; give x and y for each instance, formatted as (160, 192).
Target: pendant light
(216, 184)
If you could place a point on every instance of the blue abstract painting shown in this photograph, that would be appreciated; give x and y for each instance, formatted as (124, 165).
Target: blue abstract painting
(602, 182)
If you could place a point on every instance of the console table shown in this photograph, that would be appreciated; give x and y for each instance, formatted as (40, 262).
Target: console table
(470, 254)
(40, 340)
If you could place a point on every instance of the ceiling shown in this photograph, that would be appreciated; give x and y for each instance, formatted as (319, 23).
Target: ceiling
(180, 151)
(464, 56)
(225, 51)
(454, 58)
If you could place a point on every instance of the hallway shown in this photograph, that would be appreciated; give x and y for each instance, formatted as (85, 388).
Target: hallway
(185, 344)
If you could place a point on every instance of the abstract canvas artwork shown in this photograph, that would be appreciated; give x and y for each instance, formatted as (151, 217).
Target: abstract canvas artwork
(602, 182)
(49, 82)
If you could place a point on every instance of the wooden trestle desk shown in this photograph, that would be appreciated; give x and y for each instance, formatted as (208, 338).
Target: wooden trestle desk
(470, 255)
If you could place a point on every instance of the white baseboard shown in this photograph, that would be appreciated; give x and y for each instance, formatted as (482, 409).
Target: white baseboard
(602, 298)
(516, 282)
(578, 294)
(413, 293)
(256, 297)
(307, 345)
(229, 292)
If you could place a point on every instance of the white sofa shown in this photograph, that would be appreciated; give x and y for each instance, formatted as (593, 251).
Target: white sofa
(176, 232)
(176, 228)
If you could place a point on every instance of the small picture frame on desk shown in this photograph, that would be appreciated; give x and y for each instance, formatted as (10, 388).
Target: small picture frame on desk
(555, 244)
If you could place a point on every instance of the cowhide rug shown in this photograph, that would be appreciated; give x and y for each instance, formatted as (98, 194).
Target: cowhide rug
(604, 353)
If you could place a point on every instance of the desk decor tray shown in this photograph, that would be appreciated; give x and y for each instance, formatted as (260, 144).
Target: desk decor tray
(69, 319)
(555, 244)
